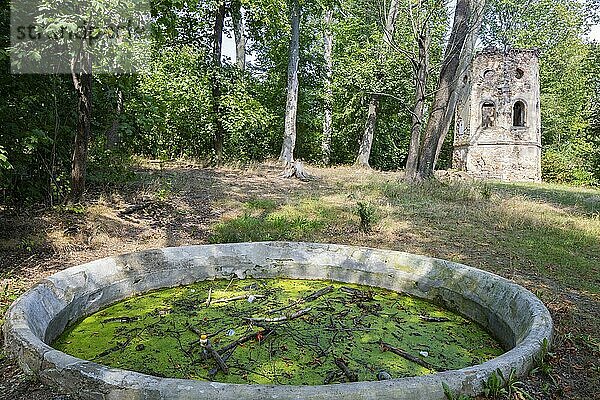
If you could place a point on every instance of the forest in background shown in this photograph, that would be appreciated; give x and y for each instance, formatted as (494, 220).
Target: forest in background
(353, 59)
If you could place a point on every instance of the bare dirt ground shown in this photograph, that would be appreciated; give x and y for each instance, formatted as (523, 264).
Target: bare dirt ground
(496, 228)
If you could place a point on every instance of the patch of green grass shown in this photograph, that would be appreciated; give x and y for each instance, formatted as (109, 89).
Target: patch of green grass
(261, 204)
(248, 228)
(294, 222)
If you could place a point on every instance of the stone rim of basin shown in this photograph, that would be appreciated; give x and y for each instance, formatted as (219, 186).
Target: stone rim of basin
(514, 315)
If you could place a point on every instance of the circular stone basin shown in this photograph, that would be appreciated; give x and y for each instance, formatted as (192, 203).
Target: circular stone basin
(515, 317)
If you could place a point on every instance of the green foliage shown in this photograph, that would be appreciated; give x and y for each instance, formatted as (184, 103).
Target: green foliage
(367, 213)
(450, 395)
(497, 386)
(571, 163)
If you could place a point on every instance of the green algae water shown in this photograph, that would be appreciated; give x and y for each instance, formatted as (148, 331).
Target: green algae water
(278, 331)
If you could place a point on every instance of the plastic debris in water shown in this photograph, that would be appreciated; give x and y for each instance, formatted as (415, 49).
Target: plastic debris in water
(203, 340)
(251, 298)
(230, 332)
(424, 353)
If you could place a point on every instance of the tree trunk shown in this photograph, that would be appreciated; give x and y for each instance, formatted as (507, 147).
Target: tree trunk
(291, 108)
(83, 86)
(466, 58)
(465, 21)
(364, 152)
(112, 135)
(216, 87)
(421, 68)
(328, 109)
(239, 31)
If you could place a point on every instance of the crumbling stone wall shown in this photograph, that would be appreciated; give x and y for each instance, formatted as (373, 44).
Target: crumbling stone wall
(498, 119)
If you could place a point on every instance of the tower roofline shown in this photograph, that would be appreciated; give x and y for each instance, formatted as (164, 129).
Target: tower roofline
(493, 50)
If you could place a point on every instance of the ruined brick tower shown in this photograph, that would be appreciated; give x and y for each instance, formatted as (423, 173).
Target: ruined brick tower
(498, 122)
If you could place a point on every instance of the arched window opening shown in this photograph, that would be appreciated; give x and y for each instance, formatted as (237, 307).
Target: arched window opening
(519, 114)
(488, 114)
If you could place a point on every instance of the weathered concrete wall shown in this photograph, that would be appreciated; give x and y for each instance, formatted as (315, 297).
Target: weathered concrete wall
(514, 315)
(488, 144)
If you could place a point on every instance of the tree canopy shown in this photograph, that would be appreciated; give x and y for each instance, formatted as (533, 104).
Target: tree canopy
(190, 100)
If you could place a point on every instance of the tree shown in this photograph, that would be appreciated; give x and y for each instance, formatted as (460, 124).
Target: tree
(239, 32)
(291, 108)
(328, 87)
(217, 54)
(424, 17)
(364, 151)
(467, 19)
(82, 81)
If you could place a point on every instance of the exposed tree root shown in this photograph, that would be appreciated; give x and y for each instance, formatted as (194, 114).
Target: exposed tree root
(296, 170)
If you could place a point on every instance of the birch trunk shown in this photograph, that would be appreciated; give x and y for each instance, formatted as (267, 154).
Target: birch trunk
(464, 22)
(364, 152)
(239, 31)
(328, 111)
(112, 135)
(291, 108)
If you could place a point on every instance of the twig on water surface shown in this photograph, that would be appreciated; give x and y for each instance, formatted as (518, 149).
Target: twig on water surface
(351, 376)
(311, 297)
(427, 318)
(260, 335)
(217, 357)
(236, 298)
(282, 318)
(408, 356)
(357, 293)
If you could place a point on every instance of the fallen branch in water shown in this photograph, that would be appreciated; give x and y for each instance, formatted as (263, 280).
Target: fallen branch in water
(427, 318)
(311, 297)
(256, 335)
(236, 298)
(217, 357)
(357, 293)
(408, 356)
(282, 318)
(351, 376)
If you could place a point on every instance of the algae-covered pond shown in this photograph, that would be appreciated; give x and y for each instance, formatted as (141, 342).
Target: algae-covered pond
(278, 331)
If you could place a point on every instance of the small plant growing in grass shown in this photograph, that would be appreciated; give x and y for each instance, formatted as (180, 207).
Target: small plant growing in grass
(497, 386)
(450, 395)
(367, 214)
(541, 362)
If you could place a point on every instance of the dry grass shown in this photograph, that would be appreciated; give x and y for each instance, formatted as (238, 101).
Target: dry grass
(545, 237)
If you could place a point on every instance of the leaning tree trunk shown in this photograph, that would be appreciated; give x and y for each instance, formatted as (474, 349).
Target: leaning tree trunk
(328, 109)
(465, 61)
(421, 74)
(239, 31)
(364, 152)
(291, 108)
(464, 22)
(216, 87)
(83, 86)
